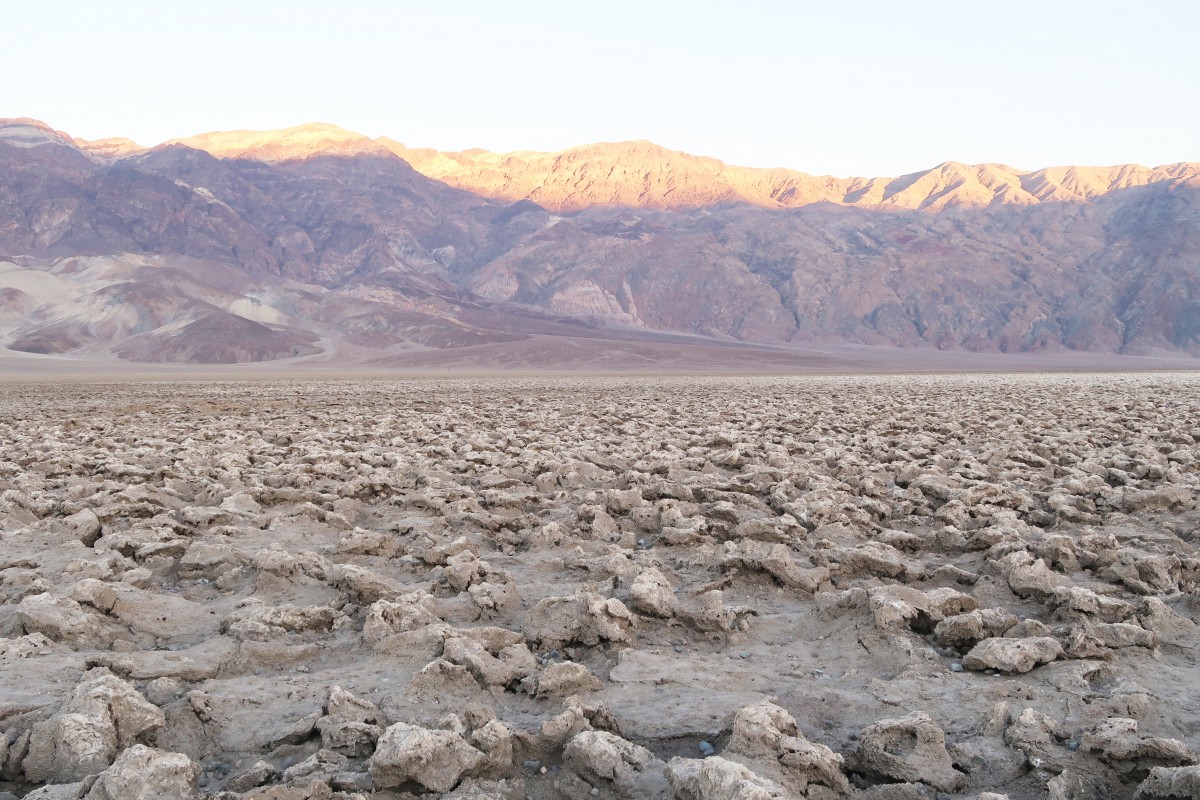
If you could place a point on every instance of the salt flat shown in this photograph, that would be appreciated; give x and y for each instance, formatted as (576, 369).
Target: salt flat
(624, 587)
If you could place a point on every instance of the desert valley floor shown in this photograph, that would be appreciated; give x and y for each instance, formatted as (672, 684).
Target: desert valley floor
(698, 588)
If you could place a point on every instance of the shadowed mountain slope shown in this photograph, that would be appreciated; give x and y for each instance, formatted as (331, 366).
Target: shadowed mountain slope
(318, 243)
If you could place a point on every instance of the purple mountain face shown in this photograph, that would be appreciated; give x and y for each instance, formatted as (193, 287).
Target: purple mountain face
(318, 245)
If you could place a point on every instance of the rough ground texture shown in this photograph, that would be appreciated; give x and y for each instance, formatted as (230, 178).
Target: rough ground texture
(619, 588)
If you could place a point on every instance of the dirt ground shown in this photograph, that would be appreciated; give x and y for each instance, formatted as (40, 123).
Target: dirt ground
(703, 588)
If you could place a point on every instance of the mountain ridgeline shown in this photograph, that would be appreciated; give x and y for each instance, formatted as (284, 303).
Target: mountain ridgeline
(315, 242)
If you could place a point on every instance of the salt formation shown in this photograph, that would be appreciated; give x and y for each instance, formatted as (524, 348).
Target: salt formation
(689, 589)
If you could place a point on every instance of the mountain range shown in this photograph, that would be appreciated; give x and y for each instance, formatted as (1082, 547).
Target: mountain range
(316, 244)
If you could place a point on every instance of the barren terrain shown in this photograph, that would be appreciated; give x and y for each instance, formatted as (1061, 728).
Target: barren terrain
(318, 243)
(692, 588)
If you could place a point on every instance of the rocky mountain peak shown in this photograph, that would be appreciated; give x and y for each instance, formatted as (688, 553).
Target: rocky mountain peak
(285, 144)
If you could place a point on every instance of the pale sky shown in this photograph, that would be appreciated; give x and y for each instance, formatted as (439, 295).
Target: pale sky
(842, 87)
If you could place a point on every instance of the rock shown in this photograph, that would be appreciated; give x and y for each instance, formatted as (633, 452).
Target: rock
(651, 593)
(874, 558)
(62, 620)
(1156, 616)
(1097, 639)
(241, 503)
(192, 664)
(102, 694)
(492, 599)
(584, 617)
(321, 766)
(1144, 573)
(364, 585)
(1028, 629)
(496, 742)
(103, 715)
(1170, 783)
(157, 614)
(1012, 655)
(70, 747)
(911, 748)
(711, 613)
(623, 502)
(767, 731)
(31, 644)
(717, 778)
(966, 630)
(577, 716)
(604, 527)
(777, 561)
(58, 791)
(1117, 740)
(437, 760)
(898, 608)
(259, 774)
(143, 773)
(86, 526)
(494, 656)
(162, 691)
(632, 770)
(566, 678)
(351, 725)
(275, 560)
(1079, 603)
(1036, 736)
(369, 543)
(1028, 577)
(1031, 727)
(1165, 498)
(205, 559)
(405, 612)
(253, 620)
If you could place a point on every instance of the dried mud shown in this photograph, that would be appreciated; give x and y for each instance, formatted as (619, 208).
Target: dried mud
(693, 588)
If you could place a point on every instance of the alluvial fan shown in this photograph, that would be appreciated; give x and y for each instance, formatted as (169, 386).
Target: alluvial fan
(693, 588)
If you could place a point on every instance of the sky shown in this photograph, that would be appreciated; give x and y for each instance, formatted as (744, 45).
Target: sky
(843, 87)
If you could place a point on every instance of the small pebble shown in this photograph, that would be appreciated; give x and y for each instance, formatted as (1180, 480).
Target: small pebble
(594, 792)
(1072, 745)
(707, 749)
(955, 666)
